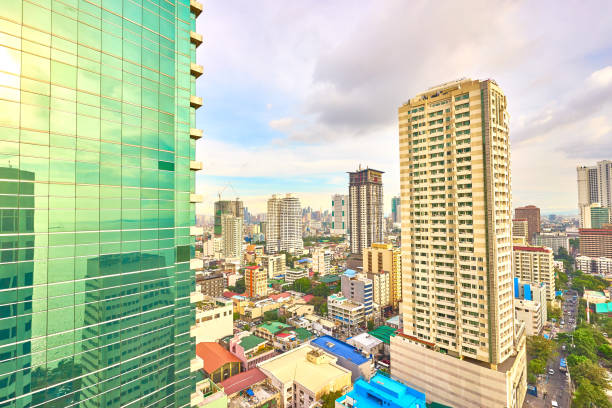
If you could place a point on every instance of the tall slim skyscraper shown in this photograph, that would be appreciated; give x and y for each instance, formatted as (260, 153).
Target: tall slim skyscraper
(531, 213)
(97, 135)
(604, 183)
(232, 236)
(235, 208)
(594, 186)
(365, 208)
(396, 210)
(340, 214)
(457, 303)
(284, 224)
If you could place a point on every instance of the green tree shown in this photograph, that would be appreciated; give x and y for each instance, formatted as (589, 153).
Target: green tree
(540, 348)
(236, 316)
(588, 395)
(329, 400)
(270, 315)
(536, 366)
(553, 312)
(239, 287)
(321, 290)
(370, 325)
(584, 343)
(591, 371)
(302, 285)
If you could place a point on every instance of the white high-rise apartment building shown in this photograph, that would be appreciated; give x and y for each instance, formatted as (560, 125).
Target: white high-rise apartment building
(321, 261)
(365, 208)
(232, 236)
(457, 304)
(340, 214)
(594, 186)
(284, 225)
(534, 265)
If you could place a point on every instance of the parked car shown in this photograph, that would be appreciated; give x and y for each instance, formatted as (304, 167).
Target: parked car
(551, 371)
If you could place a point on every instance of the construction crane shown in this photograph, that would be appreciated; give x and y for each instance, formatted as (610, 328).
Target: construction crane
(228, 184)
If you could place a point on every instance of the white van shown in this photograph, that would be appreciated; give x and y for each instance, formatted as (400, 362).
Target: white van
(554, 404)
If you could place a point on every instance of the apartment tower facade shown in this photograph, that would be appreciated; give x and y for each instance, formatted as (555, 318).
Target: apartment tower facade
(284, 224)
(383, 258)
(98, 142)
(365, 208)
(594, 186)
(531, 213)
(340, 214)
(222, 207)
(457, 302)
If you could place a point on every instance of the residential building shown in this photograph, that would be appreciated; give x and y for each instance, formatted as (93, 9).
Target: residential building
(250, 349)
(211, 283)
(345, 311)
(321, 261)
(396, 210)
(381, 391)
(232, 236)
(251, 389)
(520, 229)
(554, 240)
(596, 266)
(268, 330)
(367, 344)
(595, 216)
(214, 319)
(457, 304)
(558, 265)
(275, 265)
(303, 375)
(385, 258)
(291, 275)
(604, 183)
(530, 306)
(284, 225)
(340, 214)
(359, 289)
(227, 207)
(534, 265)
(348, 356)
(331, 281)
(531, 213)
(255, 281)
(219, 364)
(381, 288)
(588, 189)
(321, 325)
(596, 243)
(98, 121)
(365, 208)
(213, 248)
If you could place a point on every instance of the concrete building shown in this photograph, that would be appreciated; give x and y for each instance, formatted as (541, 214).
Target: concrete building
(359, 289)
(365, 208)
(457, 304)
(232, 236)
(530, 306)
(291, 275)
(381, 288)
(211, 284)
(222, 207)
(367, 344)
(595, 216)
(604, 183)
(384, 257)
(284, 225)
(255, 281)
(213, 248)
(219, 364)
(554, 240)
(531, 213)
(252, 389)
(214, 319)
(595, 266)
(348, 356)
(340, 215)
(534, 265)
(321, 261)
(596, 243)
(594, 186)
(250, 349)
(345, 311)
(275, 265)
(396, 210)
(520, 229)
(303, 375)
(381, 391)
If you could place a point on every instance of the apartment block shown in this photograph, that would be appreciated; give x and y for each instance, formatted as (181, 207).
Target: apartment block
(596, 243)
(457, 305)
(345, 311)
(554, 240)
(321, 261)
(534, 265)
(340, 214)
(275, 265)
(530, 306)
(284, 225)
(232, 236)
(531, 213)
(596, 266)
(255, 281)
(358, 288)
(214, 319)
(365, 208)
(384, 258)
(291, 275)
(210, 283)
(520, 229)
(226, 207)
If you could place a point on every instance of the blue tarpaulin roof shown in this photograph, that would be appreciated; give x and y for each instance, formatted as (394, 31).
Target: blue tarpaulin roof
(250, 393)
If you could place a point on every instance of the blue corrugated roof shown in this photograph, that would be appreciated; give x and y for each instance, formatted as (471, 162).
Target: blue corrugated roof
(384, 391)
(350, 272)
(339, 348)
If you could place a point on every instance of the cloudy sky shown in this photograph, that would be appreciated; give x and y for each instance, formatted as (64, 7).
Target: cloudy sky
(299, 92)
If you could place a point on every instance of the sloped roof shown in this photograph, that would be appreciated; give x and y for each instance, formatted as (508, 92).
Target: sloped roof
(251, 341)
(383, 333)
(242, 381)
(214, 356)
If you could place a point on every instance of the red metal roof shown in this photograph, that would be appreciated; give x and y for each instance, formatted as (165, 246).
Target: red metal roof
(280, 295)
(253, 267)
(284, 335)
(532, 249)
(307, 298)
(242, 381)
(229, 294)
(214, 356)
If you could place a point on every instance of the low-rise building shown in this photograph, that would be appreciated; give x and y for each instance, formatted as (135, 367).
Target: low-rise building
(291, 275)
(214, 319)
(384, 334)
(303, 375)
(346, 312)
(211, 283)
(322, 326)
(251, 389)
(268, 330)
(381, 391)
(250, 349)
(219, 364)
(593, 296)
(296, 310)
(209, 395)
(348, 356)
(530, 306)
(331, 281)
(367, 344)
(595, 266)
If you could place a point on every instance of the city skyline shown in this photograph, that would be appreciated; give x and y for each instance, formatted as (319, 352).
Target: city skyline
(303, 107)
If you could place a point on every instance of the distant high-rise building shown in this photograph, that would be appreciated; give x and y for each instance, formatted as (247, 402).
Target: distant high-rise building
(596, 243)
(340, 214)
(235, 208)
(231, 227)
(284, 225)
(531, 213)
(98, 125)
(396, 210)
(365, 208)
(594, 186)
(595, 216)
(520, 229)
(604, 183)
(457, 304)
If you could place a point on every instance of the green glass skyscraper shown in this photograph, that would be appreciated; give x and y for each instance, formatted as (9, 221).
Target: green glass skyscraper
(97, 160)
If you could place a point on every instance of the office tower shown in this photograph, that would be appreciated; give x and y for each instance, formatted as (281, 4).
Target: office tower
(520, 230)
(531, 213)
(340, 217)
(365, 208)
(396, 210)
(534, 265)
(97, 128)
(231, 233)
(595, 216)
(255, 281)
(358, 288)
(596, 243)
(380, 258)
(284, 225)
(235, 208)
(457, 304)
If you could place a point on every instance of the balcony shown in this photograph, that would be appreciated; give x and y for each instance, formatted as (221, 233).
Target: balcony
(196, 7)
(195, 133)
(196, 230)
(196, 364)
(195, 165)
(195, 38)
(196, 70)
(196, 198)
(195, 101)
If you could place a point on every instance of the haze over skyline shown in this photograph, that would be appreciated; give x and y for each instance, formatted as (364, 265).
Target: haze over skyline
(297, 95)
